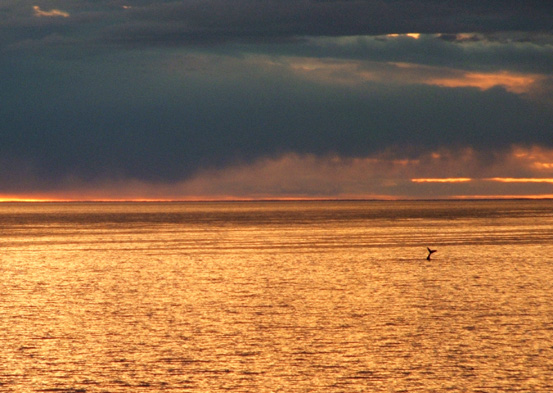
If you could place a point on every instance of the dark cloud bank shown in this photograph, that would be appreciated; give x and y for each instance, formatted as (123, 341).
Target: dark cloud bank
(159, 90)
(261, 19)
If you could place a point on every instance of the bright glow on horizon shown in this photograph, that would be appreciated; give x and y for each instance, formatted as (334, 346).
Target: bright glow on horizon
(276, 199)
(24, 199)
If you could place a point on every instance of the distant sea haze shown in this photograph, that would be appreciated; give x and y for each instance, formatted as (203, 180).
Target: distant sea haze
(312, 296)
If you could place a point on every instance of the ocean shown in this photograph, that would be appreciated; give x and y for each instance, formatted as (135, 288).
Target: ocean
(311, 296)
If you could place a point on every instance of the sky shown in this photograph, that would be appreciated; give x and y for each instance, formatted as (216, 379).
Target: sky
(257, 99)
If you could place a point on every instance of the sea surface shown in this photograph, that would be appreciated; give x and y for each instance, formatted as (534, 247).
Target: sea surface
(277, 297)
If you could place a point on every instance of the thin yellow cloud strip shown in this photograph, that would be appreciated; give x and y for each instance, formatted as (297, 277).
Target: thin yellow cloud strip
(415, 36)
(494, 179)
(520, 180)
(442, 180)
(52, 13)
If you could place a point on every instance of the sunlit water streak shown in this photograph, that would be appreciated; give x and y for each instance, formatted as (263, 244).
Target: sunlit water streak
(277, 297)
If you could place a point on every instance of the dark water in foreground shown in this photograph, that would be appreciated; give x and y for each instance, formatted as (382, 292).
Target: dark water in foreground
(277, 297)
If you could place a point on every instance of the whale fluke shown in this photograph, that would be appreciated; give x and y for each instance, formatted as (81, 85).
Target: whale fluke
(430, 252)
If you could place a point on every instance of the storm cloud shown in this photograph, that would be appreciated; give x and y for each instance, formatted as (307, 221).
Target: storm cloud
(96, 95)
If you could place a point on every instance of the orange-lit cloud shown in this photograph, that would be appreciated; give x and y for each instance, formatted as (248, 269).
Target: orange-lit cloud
(537, 158)
(523, 162)
(356, 71)
(52, 13)
(516, 83)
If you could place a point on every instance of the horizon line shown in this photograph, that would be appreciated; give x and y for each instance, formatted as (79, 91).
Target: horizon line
(14, 199)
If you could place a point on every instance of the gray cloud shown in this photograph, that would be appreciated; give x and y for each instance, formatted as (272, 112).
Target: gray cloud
(217, 111)
(275, 19)
(477, 53)
(193, 22)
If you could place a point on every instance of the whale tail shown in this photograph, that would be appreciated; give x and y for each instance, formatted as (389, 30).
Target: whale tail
(430, 252)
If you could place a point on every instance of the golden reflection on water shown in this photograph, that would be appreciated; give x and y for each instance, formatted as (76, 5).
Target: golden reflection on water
(276, 297)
